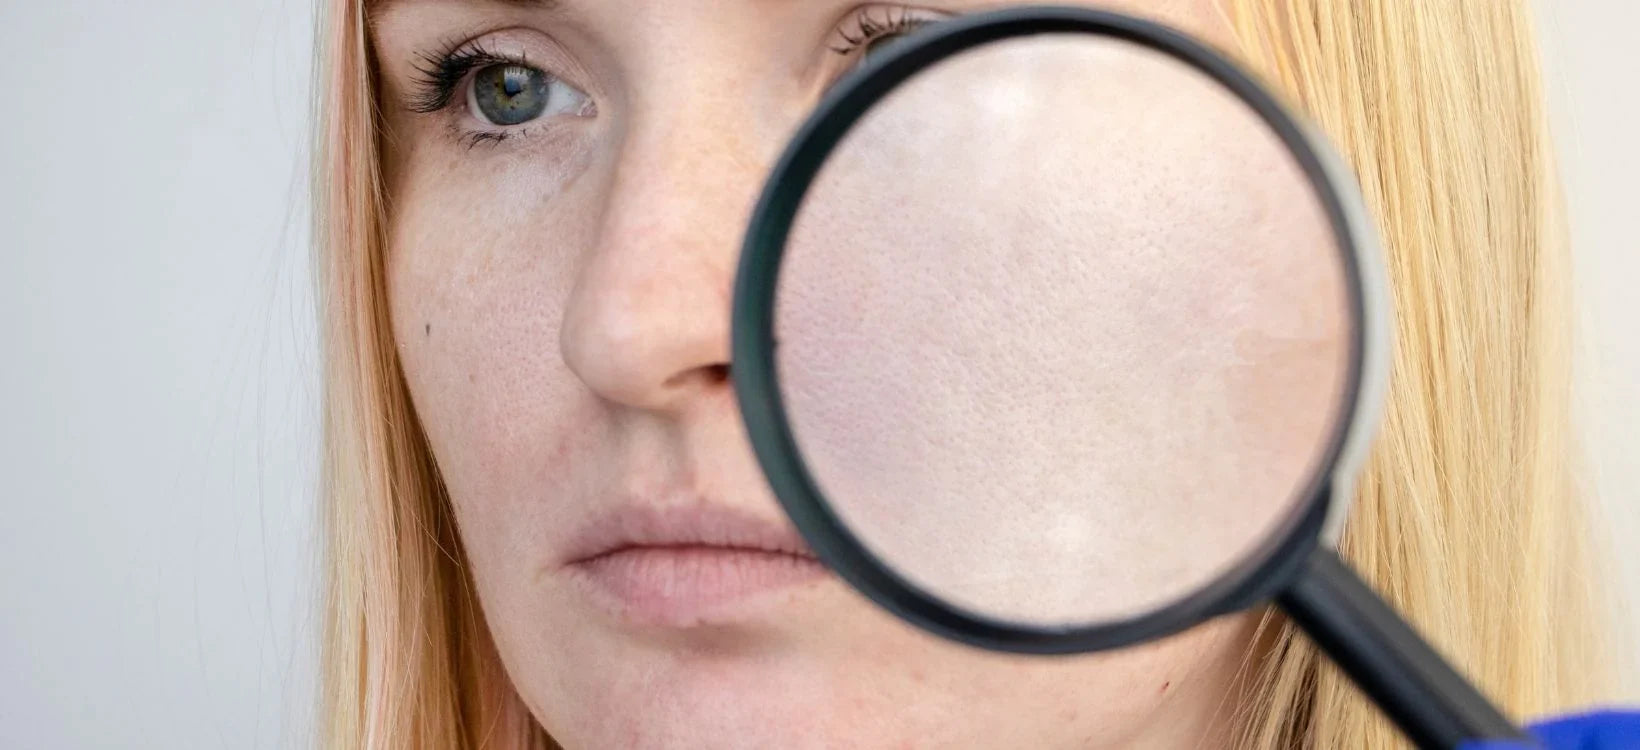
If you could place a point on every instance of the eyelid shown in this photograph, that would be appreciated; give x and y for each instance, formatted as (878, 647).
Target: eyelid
(441, 74)
(869, 23)
(442, 70)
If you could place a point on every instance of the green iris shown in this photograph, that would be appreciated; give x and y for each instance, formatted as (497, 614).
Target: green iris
(511, 94)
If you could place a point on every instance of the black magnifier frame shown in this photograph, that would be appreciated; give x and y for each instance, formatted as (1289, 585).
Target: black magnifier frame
(1297, 567)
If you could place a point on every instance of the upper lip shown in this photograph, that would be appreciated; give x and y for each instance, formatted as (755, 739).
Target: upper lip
(700, 524)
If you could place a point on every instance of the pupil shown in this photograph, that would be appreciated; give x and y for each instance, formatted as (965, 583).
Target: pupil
(511, 94)
(513, 82)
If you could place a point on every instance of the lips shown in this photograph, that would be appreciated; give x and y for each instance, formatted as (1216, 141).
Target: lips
(687, 566)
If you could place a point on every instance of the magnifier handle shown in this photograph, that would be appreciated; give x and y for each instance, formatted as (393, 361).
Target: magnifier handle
(1435, 706)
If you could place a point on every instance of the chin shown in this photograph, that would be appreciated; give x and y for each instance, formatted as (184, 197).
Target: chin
(709, 692)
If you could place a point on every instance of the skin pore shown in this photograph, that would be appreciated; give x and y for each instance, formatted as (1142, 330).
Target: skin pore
(559, 295)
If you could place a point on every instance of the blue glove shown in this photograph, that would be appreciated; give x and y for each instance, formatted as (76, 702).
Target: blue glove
(1607, 730)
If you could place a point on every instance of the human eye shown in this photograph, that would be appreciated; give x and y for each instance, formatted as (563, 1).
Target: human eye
(492, 90)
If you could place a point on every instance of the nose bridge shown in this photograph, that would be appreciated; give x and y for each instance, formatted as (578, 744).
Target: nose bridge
(687, 173)
(648, 318)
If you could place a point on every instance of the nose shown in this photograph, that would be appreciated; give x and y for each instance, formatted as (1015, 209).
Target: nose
(647, 320)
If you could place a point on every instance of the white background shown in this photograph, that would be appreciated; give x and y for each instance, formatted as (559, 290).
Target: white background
(157, 363)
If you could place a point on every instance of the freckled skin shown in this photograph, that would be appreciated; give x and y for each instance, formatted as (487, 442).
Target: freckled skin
(580, 280)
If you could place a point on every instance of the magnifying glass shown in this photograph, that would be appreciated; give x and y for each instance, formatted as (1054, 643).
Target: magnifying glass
(1054, 332)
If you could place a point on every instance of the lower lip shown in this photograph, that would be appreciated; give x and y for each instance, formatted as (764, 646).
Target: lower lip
(685, 586)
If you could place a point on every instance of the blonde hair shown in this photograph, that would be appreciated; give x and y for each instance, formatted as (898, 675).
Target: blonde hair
(1467, 517)
(406, 658)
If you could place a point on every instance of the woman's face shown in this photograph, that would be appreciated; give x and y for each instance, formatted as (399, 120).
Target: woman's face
(567, 184)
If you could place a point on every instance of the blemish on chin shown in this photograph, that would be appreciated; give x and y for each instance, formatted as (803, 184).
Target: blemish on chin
(1166, 685)
(429, 329)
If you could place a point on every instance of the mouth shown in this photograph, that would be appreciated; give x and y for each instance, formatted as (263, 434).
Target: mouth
(688, 566)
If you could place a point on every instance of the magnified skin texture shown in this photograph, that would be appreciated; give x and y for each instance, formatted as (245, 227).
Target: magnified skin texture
(1085, 341)
(560, 297)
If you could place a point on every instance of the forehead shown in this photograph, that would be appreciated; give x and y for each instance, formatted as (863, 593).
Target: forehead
(1207, 18)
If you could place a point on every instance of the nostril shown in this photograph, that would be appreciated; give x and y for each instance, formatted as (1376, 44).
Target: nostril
(708, 375)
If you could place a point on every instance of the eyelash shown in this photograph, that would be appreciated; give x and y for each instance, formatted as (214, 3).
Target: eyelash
(440, 76)
(441, 72)
(895, 19)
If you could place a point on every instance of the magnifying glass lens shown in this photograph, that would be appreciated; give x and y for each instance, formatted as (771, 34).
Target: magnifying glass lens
(1063, 331)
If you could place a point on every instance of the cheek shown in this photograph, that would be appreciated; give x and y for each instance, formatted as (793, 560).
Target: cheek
(480, 262)
(1078, 328)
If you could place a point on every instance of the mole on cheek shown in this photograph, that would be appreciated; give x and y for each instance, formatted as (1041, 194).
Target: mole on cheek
(429, 329)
